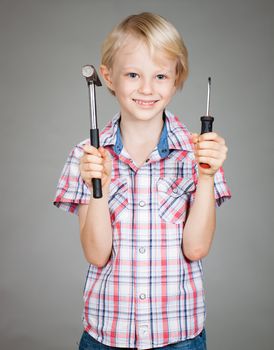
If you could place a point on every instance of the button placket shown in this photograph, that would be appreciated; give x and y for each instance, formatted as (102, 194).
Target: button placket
(142, 267)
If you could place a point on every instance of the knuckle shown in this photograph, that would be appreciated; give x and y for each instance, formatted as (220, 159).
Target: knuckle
(96, 175)
(90, 158)
(90, 149)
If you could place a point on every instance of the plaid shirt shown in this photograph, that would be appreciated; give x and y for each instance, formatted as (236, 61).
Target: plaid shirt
(148, 294)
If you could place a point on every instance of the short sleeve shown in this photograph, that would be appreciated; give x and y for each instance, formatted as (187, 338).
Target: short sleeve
(221, 189)
(71, 189)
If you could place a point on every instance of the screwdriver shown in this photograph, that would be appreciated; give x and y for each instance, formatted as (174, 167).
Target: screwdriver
(207, 120)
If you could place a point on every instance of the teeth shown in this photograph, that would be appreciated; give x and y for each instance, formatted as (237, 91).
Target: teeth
(145, 103)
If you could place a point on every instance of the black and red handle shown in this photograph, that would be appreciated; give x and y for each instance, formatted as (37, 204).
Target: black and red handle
(207, 123)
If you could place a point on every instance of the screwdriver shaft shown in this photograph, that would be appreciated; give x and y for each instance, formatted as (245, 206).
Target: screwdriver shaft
(208, 96)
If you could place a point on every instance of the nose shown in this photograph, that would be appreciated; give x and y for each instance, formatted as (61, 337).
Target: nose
(145, 87)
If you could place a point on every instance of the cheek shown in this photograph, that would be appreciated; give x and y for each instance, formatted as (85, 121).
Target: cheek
(169, 90)
(122, 92)
(125, 88)
(117, 87)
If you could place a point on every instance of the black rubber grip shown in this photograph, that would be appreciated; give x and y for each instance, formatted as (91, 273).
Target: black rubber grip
(96, 183)
(207, 123)
(94, 137)
(97, 188)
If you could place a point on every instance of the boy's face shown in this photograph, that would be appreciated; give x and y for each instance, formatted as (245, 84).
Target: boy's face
(142, 85)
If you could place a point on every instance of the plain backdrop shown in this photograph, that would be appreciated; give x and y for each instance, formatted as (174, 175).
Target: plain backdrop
(44, 113)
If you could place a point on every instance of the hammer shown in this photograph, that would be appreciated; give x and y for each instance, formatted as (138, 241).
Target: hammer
(89, 72)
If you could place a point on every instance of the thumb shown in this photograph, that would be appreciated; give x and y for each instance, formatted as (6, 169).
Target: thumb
(194, 137)
(104, 153)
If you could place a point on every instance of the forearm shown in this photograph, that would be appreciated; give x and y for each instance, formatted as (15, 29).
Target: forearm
(200, 225)
(96, 231)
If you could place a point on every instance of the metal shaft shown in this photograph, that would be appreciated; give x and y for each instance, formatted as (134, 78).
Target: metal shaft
(92, 106)
(208, 96)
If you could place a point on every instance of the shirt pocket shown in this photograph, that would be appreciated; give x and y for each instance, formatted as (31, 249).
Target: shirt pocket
(174, 198)
(118, 198)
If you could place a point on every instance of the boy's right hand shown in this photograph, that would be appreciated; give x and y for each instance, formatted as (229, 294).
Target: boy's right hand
(95, 163)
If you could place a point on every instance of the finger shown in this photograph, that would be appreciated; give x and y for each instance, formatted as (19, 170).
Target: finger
(213, 145)
(91, 159)
(208, 153)
(211, 136)
(194, 137)
(206, 170)
(91, 150)
(102, 152)
(107, 162)
(210, 161)
(89, 175)
(86, 177)
(105, 154)
(96, 175)
(92, 167)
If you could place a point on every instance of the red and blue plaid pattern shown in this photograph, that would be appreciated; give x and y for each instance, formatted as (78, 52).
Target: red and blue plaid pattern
(148, 295)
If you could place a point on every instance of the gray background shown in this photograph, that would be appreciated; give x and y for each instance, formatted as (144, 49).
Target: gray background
(44, 113)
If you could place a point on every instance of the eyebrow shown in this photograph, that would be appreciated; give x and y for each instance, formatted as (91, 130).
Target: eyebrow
(137, 68)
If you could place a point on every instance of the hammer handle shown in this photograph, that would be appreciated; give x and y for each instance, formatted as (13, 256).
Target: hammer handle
(96, 183)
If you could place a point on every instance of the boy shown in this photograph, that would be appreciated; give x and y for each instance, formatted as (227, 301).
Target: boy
(146, 237)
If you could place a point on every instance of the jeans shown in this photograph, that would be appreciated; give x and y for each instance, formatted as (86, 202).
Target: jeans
(198, 343)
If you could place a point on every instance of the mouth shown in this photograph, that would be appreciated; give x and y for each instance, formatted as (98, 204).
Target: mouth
(146, 103)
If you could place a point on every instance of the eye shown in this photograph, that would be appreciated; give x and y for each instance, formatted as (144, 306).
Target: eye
(161, 77)
(132, 75)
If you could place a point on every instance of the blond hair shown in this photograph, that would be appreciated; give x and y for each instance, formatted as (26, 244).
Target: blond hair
(157, 33)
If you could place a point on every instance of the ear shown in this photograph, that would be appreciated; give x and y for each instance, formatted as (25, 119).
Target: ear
(174, 89)
(106, 74)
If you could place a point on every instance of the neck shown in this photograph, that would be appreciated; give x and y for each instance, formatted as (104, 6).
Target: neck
(141, 132)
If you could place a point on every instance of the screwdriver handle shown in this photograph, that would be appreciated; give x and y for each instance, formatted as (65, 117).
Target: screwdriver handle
(207, 123)
(96, 183)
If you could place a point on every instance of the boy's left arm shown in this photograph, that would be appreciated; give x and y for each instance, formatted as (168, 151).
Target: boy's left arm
(199, 228)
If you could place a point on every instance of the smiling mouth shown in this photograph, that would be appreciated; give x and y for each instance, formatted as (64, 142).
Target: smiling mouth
(145, 102)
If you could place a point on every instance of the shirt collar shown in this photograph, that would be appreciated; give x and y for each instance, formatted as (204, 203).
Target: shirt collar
(174, 135)
(179, 137)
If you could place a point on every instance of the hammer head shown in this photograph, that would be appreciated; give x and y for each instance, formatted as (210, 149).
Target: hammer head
(89, 72)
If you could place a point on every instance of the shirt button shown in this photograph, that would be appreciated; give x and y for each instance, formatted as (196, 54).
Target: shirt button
(142, 250)
(142, 203)
(144, 330)
(175, 190)
(142, 296)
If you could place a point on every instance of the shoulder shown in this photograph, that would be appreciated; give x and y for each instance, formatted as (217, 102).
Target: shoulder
(175, 123)
(77, 151)
(178, 134)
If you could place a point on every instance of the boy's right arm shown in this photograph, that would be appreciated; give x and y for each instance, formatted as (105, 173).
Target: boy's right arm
(94, 218)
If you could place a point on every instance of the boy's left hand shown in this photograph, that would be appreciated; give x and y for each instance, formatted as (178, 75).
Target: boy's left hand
(210, 148)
